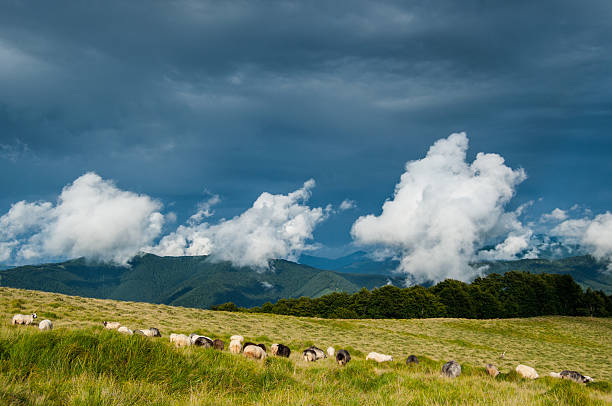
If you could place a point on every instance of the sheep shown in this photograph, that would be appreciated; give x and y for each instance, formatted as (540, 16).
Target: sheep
(235, 346)
(25, 319)
(492, 370)
(309, 355)
(527, 372)
(218, 344)
(319, 352)
(247, 344)
(331, 351)
(202, 341)
(125, 330)
(45, 325)
(180, 340)
(280, 350)
(451, 369)
(343, 357)
(412, 359)
(375, 356)
(255, 352)
(572, 376)
(193, 337)
(112, 325)
(154, 332)
(150, 332)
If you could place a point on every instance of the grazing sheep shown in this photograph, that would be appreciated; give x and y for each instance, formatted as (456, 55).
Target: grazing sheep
(247, 344)
(319, 352)
(309, 355)
(527, 372)
(112, 325)
(193, 337)
(154, 332)
(572, 376)
(280, 350)
(150, 332)
(125, 330)
(45, 325)
(451, 369)
(331, 351)
(343, 357)
(26, 319)
(375, 356)
(492, 370)
(201, 341)
(180, 340)
(218, 344)
(412, 359)
(255, 352)
(502, 355)
(235, 346)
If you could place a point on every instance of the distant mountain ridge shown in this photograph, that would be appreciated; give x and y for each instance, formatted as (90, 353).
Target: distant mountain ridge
(585, 269)
(195, 281)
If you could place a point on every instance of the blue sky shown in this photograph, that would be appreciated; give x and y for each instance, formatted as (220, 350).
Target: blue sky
(184, 100)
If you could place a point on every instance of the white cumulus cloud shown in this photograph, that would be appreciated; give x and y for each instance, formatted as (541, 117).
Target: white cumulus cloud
(444, 209)
(347, 205)
(92, 218)
(555, 215)
(595, 235)
(276, 226)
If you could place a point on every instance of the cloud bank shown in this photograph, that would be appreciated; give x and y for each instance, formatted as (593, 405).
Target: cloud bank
(444, 209)
(595, 235)
(92, 218)
(276, 226)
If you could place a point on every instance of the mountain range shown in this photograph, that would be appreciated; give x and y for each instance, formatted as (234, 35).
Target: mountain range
(191, 281)
(199, 281)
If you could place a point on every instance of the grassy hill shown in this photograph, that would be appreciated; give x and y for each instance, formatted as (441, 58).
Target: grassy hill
(185, 281)
(78, 363)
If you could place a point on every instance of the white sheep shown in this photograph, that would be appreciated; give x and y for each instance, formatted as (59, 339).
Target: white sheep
(180, 340)
(45, 325)
(125, 330)
(149, 332)
(375, 356)
(255, 352)
(331, 352)
(26, 319)
(235, 346)
(112, 325)
(526, 372)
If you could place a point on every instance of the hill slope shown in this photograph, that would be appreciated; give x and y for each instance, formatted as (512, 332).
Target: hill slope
(79, 363)
(185, 281)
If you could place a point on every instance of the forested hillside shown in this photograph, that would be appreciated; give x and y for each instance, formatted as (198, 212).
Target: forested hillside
(514, 294)
(195, 281)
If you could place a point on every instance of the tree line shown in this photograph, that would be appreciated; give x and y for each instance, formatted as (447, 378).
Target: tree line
(513, 294)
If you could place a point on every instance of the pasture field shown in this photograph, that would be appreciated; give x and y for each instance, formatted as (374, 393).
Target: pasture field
(81, 364)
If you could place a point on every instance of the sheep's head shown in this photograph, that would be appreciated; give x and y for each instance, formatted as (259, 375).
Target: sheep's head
(105, 323)
(33, 315)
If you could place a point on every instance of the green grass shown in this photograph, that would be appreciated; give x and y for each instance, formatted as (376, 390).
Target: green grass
(79, 363)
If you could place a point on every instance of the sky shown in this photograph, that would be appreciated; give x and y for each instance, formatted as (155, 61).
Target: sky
(202, 108)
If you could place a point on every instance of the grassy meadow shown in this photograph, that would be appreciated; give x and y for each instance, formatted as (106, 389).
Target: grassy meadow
(79, 363)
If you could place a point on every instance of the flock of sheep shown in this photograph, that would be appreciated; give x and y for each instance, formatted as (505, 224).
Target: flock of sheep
(451, 369)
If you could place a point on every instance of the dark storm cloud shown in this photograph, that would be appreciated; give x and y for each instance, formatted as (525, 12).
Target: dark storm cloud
(169, 98)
